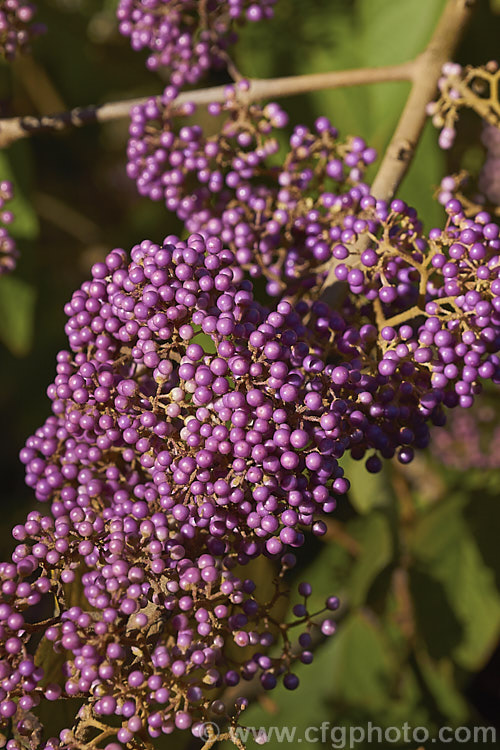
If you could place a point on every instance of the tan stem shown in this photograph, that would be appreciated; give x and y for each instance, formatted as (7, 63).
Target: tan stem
(14, 128)
(410, 314)
(428, 66)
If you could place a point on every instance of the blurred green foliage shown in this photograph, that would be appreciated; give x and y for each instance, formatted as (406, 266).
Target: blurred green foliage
(413, 552)
(417, 571)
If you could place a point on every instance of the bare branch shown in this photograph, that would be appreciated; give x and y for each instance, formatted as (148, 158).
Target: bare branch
(428, 66)
(14, 128)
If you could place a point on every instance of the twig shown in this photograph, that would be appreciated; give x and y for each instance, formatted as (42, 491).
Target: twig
(447, 35)
(14, 128)
(426, 72)
(253, 689)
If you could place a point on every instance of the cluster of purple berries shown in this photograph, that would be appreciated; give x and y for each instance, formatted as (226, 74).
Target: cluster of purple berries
(315, 213)
(471, 87)
(280, 218)
(187, 37)
(444, 111)
(8, 249)
(193, 431)
(16, 27)
(477, 195)
(435, 300)
(175, 453)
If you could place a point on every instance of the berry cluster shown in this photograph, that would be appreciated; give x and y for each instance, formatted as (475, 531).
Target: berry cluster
(317, 213)
(188, 37)
(193, 431)
(451, 279)
(444, 111)
(470, 87)
(280, 219)
(16, 27)
(175, 455)
(8, 249)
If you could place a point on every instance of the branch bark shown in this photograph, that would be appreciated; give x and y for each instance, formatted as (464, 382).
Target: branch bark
(445, 39)
(15, 128)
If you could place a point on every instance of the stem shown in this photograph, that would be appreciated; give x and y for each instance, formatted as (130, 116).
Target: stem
(426, 72)
(253, 688)
(410, 314)
(14, 128)
(400, 152)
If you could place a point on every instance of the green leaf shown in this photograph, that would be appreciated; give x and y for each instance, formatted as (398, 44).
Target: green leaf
(368, 491)
(456, 598)
(52, 662)
(17, 297)
(17, 309)
(361, 664)
(374, 21)
(375, 682)
(437, 622)
(425, 175)
(366, 33)
(60, 715)
(204, 340)
(439, 677)
(374, 534)
(386, 20)
(482, 515)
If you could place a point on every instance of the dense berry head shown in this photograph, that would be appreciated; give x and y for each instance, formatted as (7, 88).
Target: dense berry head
(296, 222)
(175, 453)
(193, 430)
(190, 37)
(282, 214)
(176, 366)
(433, 300)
